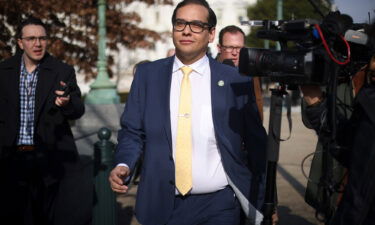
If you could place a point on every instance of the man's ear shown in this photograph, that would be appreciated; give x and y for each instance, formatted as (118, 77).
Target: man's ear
(211, 35)
(218, 48)
(20, 44)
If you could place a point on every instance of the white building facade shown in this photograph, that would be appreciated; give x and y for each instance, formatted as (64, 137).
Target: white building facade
(158, 18)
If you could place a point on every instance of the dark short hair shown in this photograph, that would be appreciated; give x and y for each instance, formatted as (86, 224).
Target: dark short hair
(229, 29)
(30, 21)
(211, 14)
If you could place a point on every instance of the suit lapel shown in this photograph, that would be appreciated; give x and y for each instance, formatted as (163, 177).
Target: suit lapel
(14, 84)
(165, 87)
(219, 87)
(46, 79)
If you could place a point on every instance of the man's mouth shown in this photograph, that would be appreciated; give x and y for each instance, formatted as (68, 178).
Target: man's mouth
(184, 42)
(38, 52)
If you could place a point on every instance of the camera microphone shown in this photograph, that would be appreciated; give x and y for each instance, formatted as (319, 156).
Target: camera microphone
(357, 37)
(262, 23)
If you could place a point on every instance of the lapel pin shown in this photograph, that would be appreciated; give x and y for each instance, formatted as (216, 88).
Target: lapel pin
(220, 83)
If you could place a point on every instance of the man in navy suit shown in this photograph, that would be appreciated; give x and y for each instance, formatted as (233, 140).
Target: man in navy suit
(221, 119)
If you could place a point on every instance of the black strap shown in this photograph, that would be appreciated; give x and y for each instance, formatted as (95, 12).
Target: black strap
(288, 105)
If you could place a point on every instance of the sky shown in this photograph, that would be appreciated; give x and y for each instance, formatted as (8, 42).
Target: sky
(357, 9)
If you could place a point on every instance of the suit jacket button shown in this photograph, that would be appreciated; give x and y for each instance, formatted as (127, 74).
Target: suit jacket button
(170, 158)
(171, 182)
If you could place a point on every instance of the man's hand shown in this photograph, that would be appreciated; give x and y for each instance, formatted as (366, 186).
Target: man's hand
(60, 99)
(371, 69)
(275, 218)
(312, 94)
(116, 179)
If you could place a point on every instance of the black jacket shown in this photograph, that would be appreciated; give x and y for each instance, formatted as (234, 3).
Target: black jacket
(61, 165)
(357, 137)
(52, 130)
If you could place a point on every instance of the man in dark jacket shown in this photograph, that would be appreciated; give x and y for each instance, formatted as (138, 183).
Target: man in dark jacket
(38, 95)
(231, 41)
(357, 153)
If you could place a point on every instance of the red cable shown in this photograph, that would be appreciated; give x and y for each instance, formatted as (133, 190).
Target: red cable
(329, 52)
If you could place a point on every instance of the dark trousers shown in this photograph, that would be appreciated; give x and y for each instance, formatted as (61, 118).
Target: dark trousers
(218, 208)
(25, 197)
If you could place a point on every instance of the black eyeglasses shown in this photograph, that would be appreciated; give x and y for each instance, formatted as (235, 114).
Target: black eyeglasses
(231, 48)
(33, 39)
(195, 26)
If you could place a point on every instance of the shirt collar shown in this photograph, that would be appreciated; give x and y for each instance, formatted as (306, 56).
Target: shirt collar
(23, 67)
(198, 66)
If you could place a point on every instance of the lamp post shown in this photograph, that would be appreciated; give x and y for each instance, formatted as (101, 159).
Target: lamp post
(103, 91)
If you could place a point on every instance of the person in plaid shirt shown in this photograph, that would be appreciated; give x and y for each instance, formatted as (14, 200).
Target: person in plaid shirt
(38, 95)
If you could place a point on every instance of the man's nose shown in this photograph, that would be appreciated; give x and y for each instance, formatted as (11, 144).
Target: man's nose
(236, 51)
(37, 42)
(187, 29)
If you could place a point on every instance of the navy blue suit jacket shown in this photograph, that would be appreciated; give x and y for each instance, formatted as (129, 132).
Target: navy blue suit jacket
(145, 126)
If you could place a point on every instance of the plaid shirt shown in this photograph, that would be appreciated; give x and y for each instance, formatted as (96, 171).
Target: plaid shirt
(27, 105)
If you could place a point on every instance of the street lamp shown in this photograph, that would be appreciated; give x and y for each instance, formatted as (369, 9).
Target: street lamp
(103, 91)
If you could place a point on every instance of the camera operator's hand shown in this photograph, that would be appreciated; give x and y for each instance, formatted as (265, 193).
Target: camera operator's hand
(275, 218)
(60, 100)
(312, 94)
(371, 69)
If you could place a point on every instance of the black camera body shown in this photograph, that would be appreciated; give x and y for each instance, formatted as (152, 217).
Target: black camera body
(308, 62)
(286, 66)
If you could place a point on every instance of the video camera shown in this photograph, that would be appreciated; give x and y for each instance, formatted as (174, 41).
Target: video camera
(316, 48)
(321, 54)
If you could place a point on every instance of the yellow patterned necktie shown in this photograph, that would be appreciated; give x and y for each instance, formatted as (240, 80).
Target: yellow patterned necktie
(184, 178)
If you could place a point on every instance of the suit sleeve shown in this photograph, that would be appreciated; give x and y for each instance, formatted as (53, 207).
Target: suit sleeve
(255, 142)
(131, 135)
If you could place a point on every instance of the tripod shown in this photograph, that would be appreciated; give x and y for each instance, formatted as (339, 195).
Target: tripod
(273, 148)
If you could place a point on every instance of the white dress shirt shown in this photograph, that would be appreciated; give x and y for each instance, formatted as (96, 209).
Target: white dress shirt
(208, 172)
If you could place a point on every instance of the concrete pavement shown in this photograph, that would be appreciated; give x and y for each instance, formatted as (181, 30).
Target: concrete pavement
(291, 183)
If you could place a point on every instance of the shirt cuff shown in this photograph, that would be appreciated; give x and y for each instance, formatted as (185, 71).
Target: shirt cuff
(127, 179)
(122, 164)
